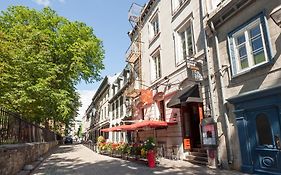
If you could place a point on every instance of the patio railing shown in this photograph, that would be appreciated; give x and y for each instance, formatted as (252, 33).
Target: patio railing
(13, 129)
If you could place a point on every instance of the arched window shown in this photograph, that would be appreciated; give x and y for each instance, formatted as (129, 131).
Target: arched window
(263, 130)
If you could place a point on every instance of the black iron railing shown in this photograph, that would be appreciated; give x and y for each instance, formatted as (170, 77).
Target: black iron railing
(13, 129)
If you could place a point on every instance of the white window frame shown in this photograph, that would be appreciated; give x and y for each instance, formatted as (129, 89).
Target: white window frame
(155, 66)
(178, 42)
(153, 26)
(177, 4)
(244, 30)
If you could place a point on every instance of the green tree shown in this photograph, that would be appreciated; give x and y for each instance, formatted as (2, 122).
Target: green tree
(42, 57)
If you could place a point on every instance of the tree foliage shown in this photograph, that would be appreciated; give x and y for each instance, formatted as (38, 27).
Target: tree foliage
(42, 57)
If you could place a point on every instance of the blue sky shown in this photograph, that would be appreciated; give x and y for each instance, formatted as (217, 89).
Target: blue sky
(109, 19)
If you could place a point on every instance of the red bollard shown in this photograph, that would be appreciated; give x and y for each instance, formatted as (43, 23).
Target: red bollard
(151, 158)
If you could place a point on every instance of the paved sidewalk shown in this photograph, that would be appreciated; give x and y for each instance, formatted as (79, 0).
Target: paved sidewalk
(79, 160)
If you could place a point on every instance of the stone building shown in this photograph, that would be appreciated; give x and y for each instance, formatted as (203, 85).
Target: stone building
(168, 48)
(244, 56)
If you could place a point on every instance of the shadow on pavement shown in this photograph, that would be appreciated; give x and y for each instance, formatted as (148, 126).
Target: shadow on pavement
(104, 165)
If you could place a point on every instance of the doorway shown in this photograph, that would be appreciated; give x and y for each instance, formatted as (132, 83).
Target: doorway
(191, 125)
(264, 137)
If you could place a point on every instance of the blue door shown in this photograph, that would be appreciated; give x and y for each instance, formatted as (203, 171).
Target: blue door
(264, 137)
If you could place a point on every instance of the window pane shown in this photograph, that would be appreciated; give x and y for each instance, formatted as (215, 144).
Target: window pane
(263, 130)
(155, 27)
(242, 51)
(259, 57)
(240, 39)
(158, 67)
(256, 44)
(244, 63)
(255, 31)
(189, 41)
(183, 44)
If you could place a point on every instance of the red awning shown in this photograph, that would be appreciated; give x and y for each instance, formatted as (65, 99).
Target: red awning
(150, 123)
(138, 125)
(119, 128)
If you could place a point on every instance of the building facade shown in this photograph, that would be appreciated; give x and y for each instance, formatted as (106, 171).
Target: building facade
(98, 112)
(211, 71)
(173, 75)
(118, 106)
(244, 54)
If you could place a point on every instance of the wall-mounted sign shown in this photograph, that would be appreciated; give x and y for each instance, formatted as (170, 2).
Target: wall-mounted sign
(209, 133)
(186, 144)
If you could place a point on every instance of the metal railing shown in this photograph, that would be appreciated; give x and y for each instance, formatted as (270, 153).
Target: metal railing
(13, 129)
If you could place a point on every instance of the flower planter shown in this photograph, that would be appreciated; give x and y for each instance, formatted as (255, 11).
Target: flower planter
(151, 158)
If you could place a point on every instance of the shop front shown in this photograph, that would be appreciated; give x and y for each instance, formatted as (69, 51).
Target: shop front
(189, 102)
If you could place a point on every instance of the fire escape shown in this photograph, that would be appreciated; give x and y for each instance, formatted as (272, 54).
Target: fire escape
(134, 58)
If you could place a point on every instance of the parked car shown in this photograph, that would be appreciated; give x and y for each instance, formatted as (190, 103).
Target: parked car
(68, 140)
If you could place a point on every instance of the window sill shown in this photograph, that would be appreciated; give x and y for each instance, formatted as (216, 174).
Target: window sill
(179, 63)
(252, 69)
(154, 39)
(153, 82)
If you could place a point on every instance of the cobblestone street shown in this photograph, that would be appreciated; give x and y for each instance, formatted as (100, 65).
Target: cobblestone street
(79, 160)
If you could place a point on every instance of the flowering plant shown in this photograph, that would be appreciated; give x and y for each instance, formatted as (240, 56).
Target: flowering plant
(149, 144)
(101, 139)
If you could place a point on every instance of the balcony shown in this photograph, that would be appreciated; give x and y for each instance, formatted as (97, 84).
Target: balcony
(133, 52)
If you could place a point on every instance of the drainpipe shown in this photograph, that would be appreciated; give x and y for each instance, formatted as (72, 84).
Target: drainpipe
(207, 58)
(225, 116)
(202, 16)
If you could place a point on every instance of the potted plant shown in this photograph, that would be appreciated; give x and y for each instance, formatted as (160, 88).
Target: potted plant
(149, 146)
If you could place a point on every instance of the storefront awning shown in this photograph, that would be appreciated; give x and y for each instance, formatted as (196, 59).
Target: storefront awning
(137, 126)
(187, 95)
(119, 128)
(150, 124)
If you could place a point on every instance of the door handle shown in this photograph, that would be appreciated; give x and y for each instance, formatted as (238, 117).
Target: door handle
(277, 142)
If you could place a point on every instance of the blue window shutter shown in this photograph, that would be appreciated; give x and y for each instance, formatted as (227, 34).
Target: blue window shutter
(232, 54)
(266, 35)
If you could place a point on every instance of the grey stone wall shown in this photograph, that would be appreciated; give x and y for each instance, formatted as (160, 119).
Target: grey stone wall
(14, 157)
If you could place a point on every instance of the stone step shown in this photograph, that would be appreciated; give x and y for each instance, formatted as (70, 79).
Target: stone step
(197, 158)
(201, 150)
(196, 162)
(200, 154)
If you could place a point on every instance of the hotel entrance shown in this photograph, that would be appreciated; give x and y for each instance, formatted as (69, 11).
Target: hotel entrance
(191, 125)
(190, 104)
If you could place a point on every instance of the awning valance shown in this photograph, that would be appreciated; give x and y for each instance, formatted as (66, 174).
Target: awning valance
(119, 128)
(150, 124)
(187, 95)
(137, 126)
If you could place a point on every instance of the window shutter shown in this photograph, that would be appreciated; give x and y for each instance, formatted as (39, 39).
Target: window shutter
(232, 55)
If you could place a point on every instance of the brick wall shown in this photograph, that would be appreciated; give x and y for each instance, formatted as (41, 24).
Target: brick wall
(14, 157)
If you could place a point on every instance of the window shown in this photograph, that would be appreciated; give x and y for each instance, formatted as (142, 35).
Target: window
(176, 4)
(121, 106)
(142, 113)
(263, 130)
(156, 66)
(153, 27)
(105, 113)
(136, 69)
(248, 46)
(184, 43)
(113, 111)
(212, 5)
(162, 110)
(117, 108)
